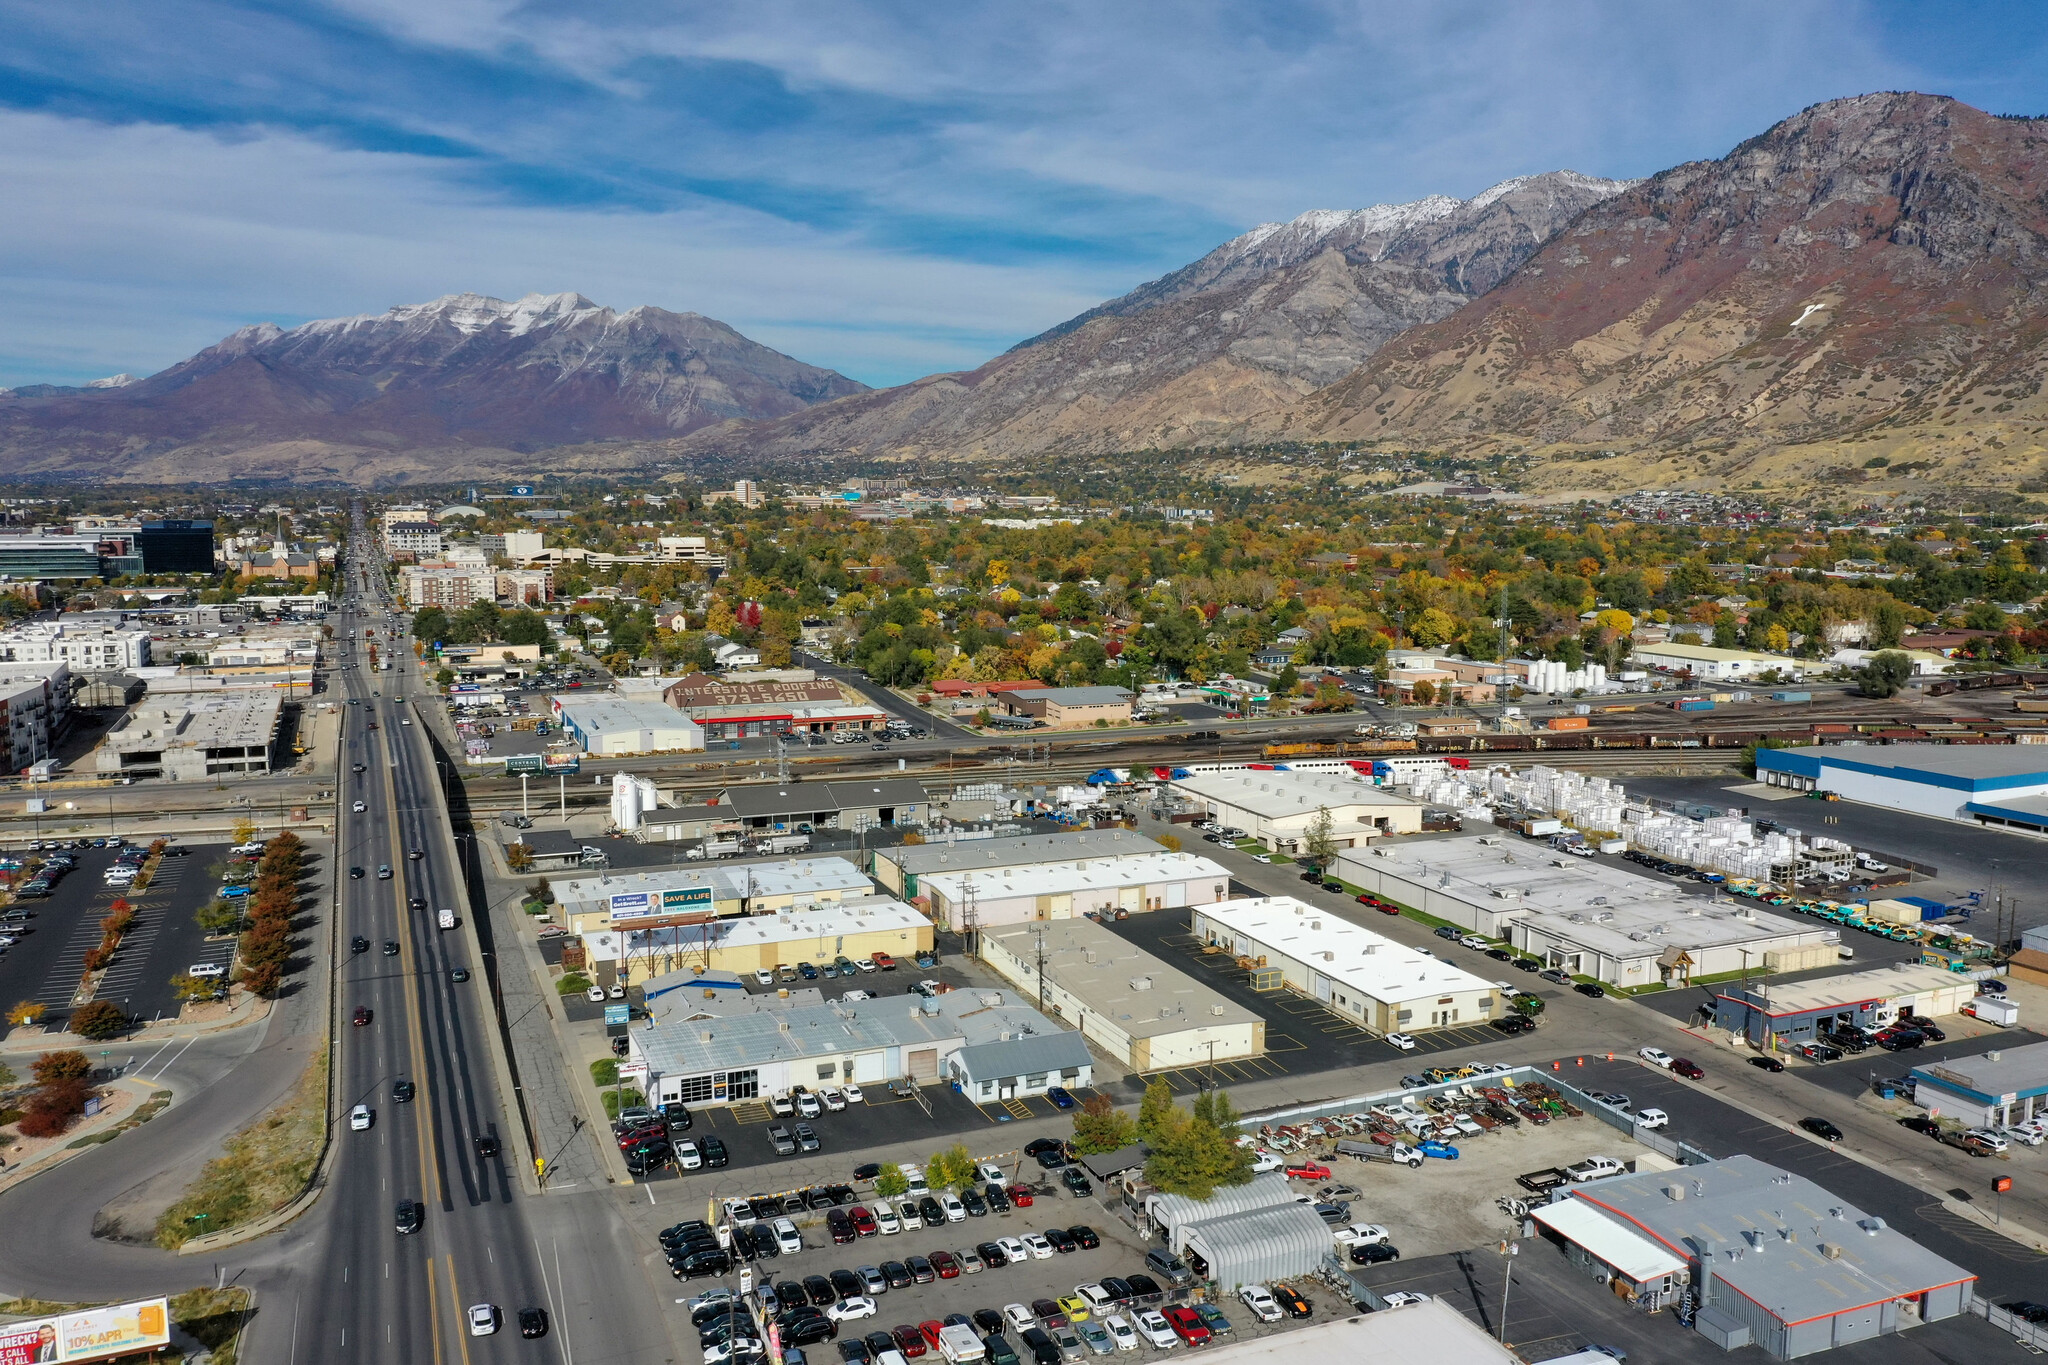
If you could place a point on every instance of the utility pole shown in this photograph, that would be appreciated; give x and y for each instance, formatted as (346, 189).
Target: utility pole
(1038, 934)
(1502, 622)
(1508, 1251)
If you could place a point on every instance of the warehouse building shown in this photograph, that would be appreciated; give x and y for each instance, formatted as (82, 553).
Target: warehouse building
(1774, 1014)
(1278, 807)
(987, 1044)
(1119, 884)
(1775, 1260)
(646, 899)
(1068, 708)
(827, 805)
(1387, 987)
(1586, 917)
(1717, 665)
(899, 868)
(614, 725)
(856, 928)
(1144, 1013)
(1997, 1088)
(2002, 785)
(1430, 1330)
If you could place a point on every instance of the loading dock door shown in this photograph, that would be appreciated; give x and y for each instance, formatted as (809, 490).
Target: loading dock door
(924, 1064)
(1176, 895)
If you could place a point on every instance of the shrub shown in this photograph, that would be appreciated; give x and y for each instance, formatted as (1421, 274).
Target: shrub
(264, 978)
(55, 1107)
(27, 1012)
(99, 1020)
(96, 958)
(574, 983)
(615, 1100)
(605, 1071)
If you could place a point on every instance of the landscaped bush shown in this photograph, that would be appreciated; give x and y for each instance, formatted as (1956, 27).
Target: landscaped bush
(575, 983)
(99, 1020)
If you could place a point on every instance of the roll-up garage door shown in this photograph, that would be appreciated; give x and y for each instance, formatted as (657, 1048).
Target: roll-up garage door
(924, 1064)
(1176, 895)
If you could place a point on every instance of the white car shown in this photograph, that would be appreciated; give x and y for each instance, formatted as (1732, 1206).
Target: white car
(1473, 941)
(360, 1118)
(846, 1310)
(1096, 1297)
(956, 1212)
(1153, 1327)
(618, 992)
(1121, 1332)
(1989, 1137)
(1260, 1300)
(1400, 1298)
(2023, 1133)
(1652, 1118)
(1655, 1056)
(907, 1212)
(988, 1173)
(1019, 1316)
(1263, 1161)
(1013, 1249)
(1359, 1234)
(1402, 1041)
(483, 1319)
(689, 1156)
(765, 976)
(595, 993)
(852, 1093)
(731, 1352)
(834, 1101)
(808, 1105)
(359, 808)
(787, 1239)
(1041, 1250)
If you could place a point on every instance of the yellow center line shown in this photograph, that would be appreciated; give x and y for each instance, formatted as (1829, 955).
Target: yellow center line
(433, 1311)
(461, 1325)
(430, 1176)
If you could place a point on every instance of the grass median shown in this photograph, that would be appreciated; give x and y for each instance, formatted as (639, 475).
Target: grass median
(265, 1166)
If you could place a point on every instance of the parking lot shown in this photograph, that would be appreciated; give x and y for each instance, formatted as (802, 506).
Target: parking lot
(1301, 1036)
(46, 964)
(1121, 1252)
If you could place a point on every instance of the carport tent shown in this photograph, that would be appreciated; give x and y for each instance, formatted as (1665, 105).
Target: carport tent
(1256, 1245)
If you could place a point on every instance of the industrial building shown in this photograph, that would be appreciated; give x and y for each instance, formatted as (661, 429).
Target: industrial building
(1144, 1013)
(827, 805)
(1773, 1259)
(1068, 708)
(1589, 918)
(2002, 785)
(1387, 987)
(222, 734)
(1113, 884)
(1717, 665)
(1247, 1233)
(1278, 807)
(793, 702)
(648, 899)
(987, 1044)
(1430, 1330)
(1997, 1088)
(613, 725)
(668, 936)
(1780, 1014)
(900, 867)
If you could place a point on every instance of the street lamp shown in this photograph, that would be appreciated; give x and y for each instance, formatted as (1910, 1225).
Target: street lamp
(1508, 1251)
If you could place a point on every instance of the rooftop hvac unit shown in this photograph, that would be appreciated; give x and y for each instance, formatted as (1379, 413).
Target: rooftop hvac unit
(1141, 983)
(1216, 1009)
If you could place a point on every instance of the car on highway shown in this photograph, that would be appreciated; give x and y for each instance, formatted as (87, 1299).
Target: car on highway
(383, 872)
(483, 1319)
(391, 947)
(359, 808)
(359, 944)
(362, 1016)
(355, 874)
(533, 1322)
(360, 1118)
(410, 1214)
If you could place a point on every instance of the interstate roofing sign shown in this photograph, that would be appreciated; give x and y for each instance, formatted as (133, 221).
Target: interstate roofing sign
(644, 904)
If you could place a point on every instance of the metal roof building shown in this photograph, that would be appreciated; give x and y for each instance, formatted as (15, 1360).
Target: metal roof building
(1256, 1245)
(682, 894)
(827, 805)
(1279, 806)
(1431, 1330)
(2003, 1086)
(900, 867)
(1121, 882)
(1776, 1260)
(1998, 785)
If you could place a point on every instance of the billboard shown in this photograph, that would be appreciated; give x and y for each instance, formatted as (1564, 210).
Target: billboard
(562, 763)
(632, 905)
(615, 1015)
(516, 764)
(92, 1334)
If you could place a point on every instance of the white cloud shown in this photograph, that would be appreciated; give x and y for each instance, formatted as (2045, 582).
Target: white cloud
(142, 243)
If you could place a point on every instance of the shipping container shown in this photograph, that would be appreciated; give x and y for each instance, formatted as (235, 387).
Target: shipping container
(1567, 723)
(1699, 704)
(1791, 696)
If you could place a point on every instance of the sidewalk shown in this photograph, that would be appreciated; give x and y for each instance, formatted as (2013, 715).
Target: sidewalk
(26, 1041)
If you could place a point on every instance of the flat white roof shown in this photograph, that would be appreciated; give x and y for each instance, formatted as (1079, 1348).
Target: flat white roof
(1341, 950)
(1278, 795)
(785, 877)
(826, 923)
(1432, 1330)
(1083, 874)
(1629, 1252)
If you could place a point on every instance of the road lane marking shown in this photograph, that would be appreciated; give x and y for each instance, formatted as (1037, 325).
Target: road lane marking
(462, 1324)
(430, 1173)
(561, 1324)
(433, 1311)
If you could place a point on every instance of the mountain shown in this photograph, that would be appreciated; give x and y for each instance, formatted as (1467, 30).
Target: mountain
(1863, 286)
(1196, 355)
(420, 390)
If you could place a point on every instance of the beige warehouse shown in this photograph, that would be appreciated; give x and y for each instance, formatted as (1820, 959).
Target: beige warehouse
(1126, 882)
(1142, 1012)
(817, 934)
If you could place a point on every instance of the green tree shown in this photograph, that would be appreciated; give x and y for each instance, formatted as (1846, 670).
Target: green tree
(950, 1168)
(1158, 1116)
(891, 1183)
(1749, 752)
(430, 624)
(1885, 674)
(1528, 1006)
(1887, 625)
(1099, 1126)
(1321, 843)
(7, 1076)
(1192, 1154)
(1214, 1107)
(1725, 636)
(219, 916)
(523, 628)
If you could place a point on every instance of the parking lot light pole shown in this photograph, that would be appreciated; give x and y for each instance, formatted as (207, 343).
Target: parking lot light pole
(1508, 1251)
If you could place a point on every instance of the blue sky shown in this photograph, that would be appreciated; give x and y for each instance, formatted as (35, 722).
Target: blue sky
(887, 189)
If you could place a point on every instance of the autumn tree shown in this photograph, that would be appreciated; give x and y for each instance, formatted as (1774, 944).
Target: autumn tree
(1099, 1126)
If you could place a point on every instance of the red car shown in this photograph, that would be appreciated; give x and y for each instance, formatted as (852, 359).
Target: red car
(945, 1266)
(1690, 1070)
(930, 1329)
(1376, 903)
(885, 962)
(863, 1222)
(1020, 1195)
(909, 1340)
(1308, 1170)
(1186, 1324)
(362, 1016)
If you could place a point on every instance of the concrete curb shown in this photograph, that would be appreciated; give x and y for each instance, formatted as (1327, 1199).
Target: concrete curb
(52, 1158)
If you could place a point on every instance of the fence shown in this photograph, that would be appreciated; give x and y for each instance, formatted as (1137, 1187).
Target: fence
(2030, 1334)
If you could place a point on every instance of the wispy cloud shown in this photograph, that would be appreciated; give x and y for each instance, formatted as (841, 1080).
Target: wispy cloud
(885, 188)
